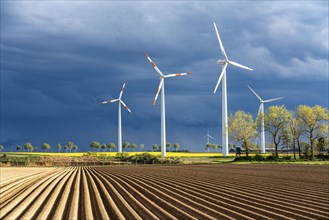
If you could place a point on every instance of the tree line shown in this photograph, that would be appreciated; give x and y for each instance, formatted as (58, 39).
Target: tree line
(156, 147)
(94, 145)
(69, 147)
(304, 130)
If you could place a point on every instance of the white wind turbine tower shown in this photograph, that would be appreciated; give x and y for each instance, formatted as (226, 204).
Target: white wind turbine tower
(119, 115)
(163, 114)
(222, 77)
(208, 136)
(261, 111)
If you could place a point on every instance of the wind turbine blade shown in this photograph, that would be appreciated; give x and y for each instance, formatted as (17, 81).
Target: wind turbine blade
(220, 43)
(153, 64)
(211, 137)
(159, 89)
(271, 100)
(240, 65)
(177, 74)
(125, 106)
(220, 77)
(108, 101)
(123, 88)
(255, 93)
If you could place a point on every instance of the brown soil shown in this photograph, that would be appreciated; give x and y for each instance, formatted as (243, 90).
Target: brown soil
(166, 192)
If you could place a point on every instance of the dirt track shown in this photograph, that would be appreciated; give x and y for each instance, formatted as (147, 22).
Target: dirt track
(167, 192)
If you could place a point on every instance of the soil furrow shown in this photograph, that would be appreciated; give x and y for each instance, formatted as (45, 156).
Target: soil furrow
(186, 204)
(42, 198)
(142, 210)
(48, 208)
(274, 202)
(278, 189)
(15, 191)
(14, 182)
(173, 209)
(86, 206)
(199, 198)
(199, 203)
(63, 200)
(95, 196)
(73, 211)
(111, 207)
(150, 204)
(224, 191)
(247, 210)
(278, 208)
(18, 206)
(232, 175)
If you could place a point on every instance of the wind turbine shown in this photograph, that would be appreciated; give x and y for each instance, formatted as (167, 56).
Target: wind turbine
(222, 78)
(261, 110)
(208, 136)
(119, 115)
(163, 114)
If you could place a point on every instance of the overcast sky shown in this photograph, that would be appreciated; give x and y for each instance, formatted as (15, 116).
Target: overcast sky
(59, 59)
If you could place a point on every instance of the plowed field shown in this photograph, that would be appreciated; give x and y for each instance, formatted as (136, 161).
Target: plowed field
(166, 192)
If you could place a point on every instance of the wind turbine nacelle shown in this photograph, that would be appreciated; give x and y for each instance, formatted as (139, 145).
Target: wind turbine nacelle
(221, 62)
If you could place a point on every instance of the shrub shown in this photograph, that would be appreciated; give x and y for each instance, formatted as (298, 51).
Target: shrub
(322, 157)
(122, 156)
(287, 157)
(270, 157)
(92, 154)
(222, 157)
(243, 158)
(144, 158)
(168, 160)
(259, 157)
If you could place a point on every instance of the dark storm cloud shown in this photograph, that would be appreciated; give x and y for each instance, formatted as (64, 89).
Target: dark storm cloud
(59, 59)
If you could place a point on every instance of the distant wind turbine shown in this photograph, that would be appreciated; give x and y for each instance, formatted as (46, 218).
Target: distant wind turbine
(208, 136)
(222, 77)
(119, 115)
(163, 114)
(261, 110)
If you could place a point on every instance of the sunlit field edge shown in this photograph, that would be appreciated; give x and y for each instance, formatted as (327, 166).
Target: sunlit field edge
(186, 157)
(112, 154)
